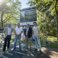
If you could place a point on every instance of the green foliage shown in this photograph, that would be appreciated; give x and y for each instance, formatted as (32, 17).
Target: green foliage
(45, 15)
(11, 11)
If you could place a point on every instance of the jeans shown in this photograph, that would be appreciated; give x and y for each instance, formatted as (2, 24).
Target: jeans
(28, 42)
(7, 42)
(37, 42)
(17, 38)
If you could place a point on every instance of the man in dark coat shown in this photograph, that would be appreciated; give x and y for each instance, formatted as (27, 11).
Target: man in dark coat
(29, 33)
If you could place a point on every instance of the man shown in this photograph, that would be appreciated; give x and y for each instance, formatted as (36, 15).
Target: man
(24, 30)
(8, 33)
(29, 33)
(36, 37)
(18, 31)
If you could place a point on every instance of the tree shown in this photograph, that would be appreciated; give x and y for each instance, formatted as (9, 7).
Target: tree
(45, 15)
(56, 9)
(10, 10)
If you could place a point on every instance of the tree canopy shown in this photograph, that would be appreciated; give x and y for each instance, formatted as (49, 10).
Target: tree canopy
(10, 11)
(46, 15)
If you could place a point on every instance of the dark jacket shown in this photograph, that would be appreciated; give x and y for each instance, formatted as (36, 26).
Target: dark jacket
(24, 31)
(30, 31)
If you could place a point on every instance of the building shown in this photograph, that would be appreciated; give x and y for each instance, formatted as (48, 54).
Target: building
(28, 16)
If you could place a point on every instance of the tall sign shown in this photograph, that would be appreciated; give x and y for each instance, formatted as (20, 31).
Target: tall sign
(28, 15)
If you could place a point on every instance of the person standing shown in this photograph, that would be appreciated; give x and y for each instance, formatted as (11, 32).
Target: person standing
(8, 33)
(23, 34)
(36, 37)
(24, 30)
(29, 33)
(18, 31)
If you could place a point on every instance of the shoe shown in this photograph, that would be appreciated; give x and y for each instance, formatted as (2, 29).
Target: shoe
(35, 49)
(20, 50)
(3, 52)
(14, 50)
(8, 50)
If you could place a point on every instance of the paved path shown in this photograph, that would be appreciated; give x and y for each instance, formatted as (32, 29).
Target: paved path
(31, 54)
(21, 54)
(46, 53)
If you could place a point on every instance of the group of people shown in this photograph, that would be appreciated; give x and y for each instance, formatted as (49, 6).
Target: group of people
(30, 33)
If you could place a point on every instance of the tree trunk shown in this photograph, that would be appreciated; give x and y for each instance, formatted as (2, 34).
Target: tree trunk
(2, 20)
(56, 6)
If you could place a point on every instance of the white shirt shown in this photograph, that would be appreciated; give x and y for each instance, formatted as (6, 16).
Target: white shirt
(35, 31)
(22, 36)
(18, 30)
(9, 31)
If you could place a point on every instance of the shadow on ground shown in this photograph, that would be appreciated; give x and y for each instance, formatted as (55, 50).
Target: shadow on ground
(45, 53)
(24, 54)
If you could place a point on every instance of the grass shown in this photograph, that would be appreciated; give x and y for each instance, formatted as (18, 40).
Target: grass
(52, 38)
(53, 42)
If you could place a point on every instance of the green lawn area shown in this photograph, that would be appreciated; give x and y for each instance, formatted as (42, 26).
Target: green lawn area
(52, 38)
(53, 42)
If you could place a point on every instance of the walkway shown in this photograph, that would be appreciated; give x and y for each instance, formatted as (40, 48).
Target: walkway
(31, 54)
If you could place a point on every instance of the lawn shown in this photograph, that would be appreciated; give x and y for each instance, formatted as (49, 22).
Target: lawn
(52, 42)
(52, 38)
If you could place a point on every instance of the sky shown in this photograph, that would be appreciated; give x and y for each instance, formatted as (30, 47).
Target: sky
(24, 4)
